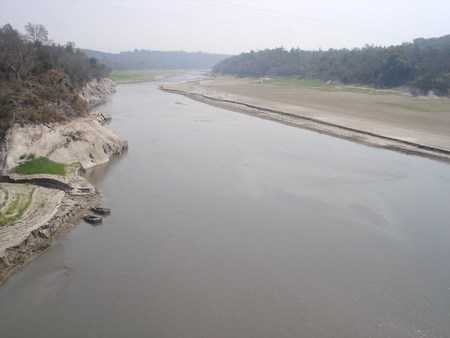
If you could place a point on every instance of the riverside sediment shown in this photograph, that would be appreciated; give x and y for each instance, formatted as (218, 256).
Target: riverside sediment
(374, 124)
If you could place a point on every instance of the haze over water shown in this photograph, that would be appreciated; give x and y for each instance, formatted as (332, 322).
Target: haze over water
(225, 225)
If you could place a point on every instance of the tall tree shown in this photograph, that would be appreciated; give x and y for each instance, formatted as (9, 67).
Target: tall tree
(36, 33)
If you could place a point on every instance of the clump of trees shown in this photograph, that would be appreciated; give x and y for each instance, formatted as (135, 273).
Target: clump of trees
(40, 80)
(423, 65)
(148, 59)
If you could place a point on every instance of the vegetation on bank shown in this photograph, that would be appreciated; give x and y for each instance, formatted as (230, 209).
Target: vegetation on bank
(158, 60)
(423, 65)
(40, 165)
(13, 206)
(139, 75)
(40, 80)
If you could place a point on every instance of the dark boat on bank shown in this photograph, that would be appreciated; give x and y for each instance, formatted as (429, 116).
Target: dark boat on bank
(101, 210)
(93, 219)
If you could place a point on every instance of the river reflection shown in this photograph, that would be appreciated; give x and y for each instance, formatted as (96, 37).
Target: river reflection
(225, 225)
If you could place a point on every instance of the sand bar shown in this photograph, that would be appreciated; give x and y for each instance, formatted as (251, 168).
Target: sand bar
(394, 120)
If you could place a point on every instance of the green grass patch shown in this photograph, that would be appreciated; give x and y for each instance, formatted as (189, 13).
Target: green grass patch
(16, 209)
(13, 206)
(41, 165)
(140, 75)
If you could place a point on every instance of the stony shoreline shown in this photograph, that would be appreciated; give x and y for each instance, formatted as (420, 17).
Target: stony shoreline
(57, 202)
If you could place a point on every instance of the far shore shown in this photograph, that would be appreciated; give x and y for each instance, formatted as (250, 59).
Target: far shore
(387, 119)
(139, 76)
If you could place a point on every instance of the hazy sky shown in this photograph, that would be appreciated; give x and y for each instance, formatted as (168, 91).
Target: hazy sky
(230, 26)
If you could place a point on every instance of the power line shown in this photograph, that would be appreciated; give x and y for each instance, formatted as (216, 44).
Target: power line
(297, 18)
(145, 10)
(239, 8)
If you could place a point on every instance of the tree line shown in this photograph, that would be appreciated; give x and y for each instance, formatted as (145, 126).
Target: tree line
(40, 80)
(423, 65)
(150, 59)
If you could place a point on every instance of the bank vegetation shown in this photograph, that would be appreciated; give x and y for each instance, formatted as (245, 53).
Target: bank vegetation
(40, 80)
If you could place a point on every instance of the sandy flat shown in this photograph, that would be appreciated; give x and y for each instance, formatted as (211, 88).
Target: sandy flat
(381, 118)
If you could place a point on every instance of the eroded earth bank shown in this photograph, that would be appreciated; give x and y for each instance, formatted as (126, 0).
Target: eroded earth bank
(42, 207)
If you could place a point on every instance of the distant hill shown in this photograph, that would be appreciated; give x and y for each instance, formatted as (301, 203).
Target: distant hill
(423, 65)
(147, 59)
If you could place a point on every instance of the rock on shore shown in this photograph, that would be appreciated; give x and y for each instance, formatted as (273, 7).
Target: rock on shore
(95, 91)
(83, 140)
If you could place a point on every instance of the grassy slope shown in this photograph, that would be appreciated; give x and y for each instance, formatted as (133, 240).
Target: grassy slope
(13, 207)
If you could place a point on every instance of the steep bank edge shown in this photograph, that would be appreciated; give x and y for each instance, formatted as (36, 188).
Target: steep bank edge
(95, 91)
(82, 140)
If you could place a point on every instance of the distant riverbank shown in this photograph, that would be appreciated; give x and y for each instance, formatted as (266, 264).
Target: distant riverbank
(383, 119)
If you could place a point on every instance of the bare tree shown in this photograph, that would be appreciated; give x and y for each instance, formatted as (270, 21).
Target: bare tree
(13, 50)
(36, 33)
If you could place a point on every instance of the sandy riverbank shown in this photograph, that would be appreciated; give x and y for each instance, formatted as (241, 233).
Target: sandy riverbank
(394, 120)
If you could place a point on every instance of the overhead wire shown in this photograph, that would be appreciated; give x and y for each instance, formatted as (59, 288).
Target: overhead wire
(241, 9)
(293, 17)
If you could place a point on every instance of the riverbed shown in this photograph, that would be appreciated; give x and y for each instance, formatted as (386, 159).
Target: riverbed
(226, 225)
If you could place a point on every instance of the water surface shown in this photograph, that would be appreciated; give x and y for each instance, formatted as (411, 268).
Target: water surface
(225, 225)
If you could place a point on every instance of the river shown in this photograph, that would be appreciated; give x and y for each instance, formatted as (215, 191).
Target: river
(226, 225)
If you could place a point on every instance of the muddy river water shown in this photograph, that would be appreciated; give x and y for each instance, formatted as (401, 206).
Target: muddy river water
(226, 225)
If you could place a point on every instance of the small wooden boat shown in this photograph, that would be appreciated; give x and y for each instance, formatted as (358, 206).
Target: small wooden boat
(101, 210)
(93, 219)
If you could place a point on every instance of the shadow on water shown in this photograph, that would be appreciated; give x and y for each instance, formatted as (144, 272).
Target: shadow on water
(96, 175)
